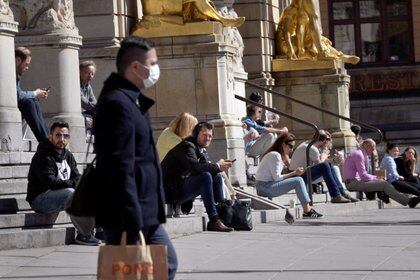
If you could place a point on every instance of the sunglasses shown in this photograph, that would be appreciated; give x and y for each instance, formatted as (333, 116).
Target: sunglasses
(290, 145)
(59, 135)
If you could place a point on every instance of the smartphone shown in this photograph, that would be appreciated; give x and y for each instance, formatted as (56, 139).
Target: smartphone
(48, 88)
(232, 161)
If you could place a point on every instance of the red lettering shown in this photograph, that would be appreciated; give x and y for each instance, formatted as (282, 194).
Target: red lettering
(127, 270)
(115, 268)
(393, 82)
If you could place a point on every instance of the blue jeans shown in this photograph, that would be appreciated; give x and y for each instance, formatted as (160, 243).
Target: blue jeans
(277, 188)
(31, 112)
(52, 201)
(208, 186)
(324, 170)
(56, 201)
(153, 235)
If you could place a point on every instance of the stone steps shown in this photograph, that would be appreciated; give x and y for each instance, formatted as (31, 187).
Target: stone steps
(32, 219)
(13, 186)
(13, 203)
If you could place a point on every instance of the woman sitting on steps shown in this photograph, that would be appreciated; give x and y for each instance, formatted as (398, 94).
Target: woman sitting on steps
(272, 183)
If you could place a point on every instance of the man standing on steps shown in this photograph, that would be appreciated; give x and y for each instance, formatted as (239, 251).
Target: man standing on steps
(52, 178)
(28, 100)
(129, 195)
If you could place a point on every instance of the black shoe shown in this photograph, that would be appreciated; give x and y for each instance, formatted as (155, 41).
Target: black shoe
(99, 234)
(88, 240)
(312, 214)
(414, 201)
(384, 197)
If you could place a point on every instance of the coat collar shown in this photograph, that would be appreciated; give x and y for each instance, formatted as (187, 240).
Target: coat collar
(116, 81)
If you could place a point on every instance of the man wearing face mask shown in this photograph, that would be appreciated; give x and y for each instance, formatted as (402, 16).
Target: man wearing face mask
(129, 192)
(52, 178)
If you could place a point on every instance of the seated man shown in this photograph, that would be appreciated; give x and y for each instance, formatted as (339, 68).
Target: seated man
(87, 73)
(268, 135)
(357, 178)
(52, 178)
(315, 157)
(28, 100)
(188, 173)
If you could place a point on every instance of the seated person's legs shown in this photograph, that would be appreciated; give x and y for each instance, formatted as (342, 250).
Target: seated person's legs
(31, 112)
(262, 144)
(323, 170)
(203, 184)
(52, 201)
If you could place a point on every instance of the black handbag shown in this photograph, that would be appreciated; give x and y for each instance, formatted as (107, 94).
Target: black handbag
(225, 211)
(242, 216)
(82, 202)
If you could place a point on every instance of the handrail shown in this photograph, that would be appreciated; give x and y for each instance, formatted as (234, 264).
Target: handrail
(316, 137)
(362, 124)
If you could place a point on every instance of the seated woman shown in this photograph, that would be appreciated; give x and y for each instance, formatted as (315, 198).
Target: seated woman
(179, 128)
(272, 183)
(399, 182)
(406, 165)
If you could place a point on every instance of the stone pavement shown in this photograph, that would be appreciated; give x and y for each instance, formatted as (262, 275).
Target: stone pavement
(371, 245)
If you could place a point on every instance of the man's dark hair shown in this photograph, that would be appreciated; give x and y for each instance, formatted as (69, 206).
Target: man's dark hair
(390, 146)
(356, 129)
(256, 97)
(60, 125)
(324, 135)
(198, 128)
(23, 53)
(251, 110)
(132, 49)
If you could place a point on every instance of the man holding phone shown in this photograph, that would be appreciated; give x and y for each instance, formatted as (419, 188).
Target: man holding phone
(28, 100)
(188, 173)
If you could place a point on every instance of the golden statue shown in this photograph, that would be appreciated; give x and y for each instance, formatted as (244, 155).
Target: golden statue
(184, 11)
(299, 37)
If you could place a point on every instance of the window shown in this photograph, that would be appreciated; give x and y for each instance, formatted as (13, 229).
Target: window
(378, 31)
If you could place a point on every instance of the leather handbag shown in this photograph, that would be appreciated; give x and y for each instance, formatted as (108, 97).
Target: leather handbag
(242, 215)
(82, 202)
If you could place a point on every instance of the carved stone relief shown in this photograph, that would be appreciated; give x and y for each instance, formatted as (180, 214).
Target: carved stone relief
(44, 16)
(232, 35)
(5, 11)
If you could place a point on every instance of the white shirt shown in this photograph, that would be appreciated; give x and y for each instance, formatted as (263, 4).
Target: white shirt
(270, 168)
(299, 156)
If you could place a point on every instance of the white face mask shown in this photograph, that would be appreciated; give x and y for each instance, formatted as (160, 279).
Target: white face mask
(154, 74)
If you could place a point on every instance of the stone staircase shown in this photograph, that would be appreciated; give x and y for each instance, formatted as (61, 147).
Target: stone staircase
(20, 227)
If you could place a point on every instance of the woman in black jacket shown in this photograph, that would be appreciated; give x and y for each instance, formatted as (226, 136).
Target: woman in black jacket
(406, 166)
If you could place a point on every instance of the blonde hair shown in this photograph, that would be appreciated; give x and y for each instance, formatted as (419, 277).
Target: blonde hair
(183, 125)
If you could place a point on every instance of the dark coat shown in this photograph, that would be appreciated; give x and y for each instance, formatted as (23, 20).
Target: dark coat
(129, 186)
(403, 169)
(183, 160)
(43, 172)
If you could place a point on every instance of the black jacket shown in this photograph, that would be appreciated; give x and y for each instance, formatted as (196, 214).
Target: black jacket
(44, 171)
(403, 169)
(183, 160)
(129, 186)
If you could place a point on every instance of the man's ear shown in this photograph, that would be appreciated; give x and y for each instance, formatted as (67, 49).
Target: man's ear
(50, 137)
(18, 61)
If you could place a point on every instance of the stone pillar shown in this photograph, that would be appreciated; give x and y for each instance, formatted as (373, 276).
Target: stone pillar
(52, 36)
(10, 118)
(201, 74)
(327, 88)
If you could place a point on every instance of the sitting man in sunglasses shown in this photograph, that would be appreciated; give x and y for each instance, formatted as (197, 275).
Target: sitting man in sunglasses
(52, 178)
(323, 166)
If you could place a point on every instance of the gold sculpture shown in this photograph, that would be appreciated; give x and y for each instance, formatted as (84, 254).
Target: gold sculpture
(299, 37)
(172, 17)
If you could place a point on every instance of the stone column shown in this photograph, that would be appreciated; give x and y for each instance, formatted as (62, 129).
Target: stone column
(10, 118)
(327, 88)
(48, 29)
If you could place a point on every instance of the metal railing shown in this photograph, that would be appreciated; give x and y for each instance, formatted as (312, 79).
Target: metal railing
(308, 148)
(362, 124)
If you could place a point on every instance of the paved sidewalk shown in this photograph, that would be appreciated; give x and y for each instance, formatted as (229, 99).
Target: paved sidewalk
(372, 245)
